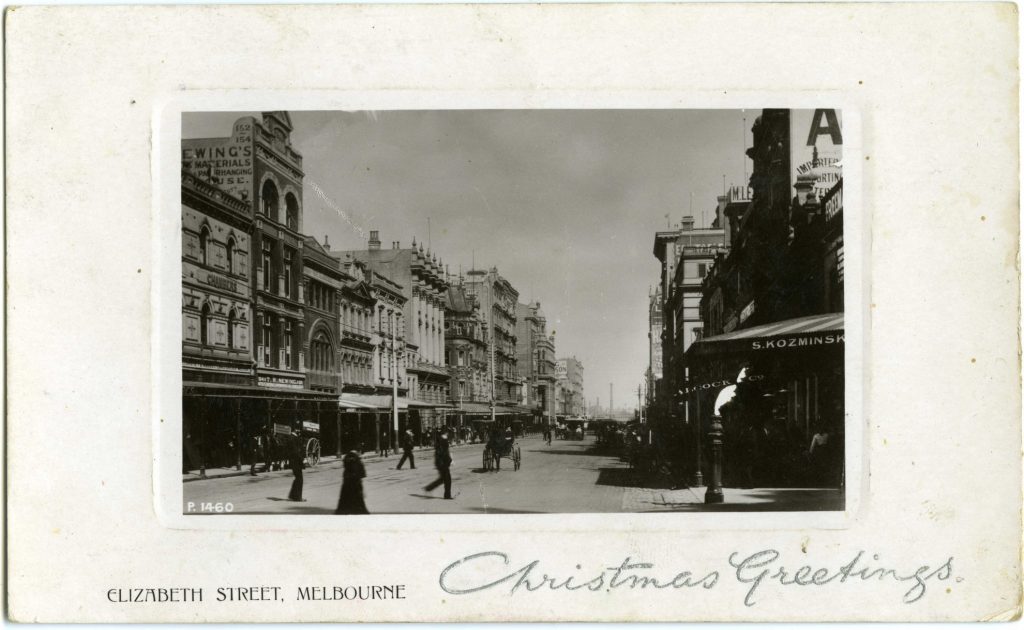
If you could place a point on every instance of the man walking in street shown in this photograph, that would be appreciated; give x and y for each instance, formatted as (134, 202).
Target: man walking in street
(385, 444)
(407, 440)
(443, 462)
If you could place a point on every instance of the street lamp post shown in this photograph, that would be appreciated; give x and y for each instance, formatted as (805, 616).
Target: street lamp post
(714, 492)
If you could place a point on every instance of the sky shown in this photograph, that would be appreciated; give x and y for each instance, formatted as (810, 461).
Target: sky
(565, 203)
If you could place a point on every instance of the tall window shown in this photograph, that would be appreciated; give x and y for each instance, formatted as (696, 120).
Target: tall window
(267, 281)
(268, 200)
(291, 212)
(231, 255)
(204, 237)
(287, 272)
(268, 334)
(204, 325)
(288, 338)
(231, 329)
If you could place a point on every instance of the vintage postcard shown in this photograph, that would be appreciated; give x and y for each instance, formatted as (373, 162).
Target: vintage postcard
(413, 316)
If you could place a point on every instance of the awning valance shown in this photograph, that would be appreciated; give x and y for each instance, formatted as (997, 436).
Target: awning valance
(368, 401)
(790, 334)
(223, 390)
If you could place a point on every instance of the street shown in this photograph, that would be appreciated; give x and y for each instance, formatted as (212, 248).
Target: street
(567, 476)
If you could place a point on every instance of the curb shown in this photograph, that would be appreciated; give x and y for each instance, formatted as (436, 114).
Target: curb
(372, 457)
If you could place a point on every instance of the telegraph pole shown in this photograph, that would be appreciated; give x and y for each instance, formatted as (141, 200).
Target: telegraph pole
(394, 382)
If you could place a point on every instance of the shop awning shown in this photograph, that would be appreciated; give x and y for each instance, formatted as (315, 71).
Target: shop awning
(473, 408)
(419, 404)
(369, 401)
(791, 334)
(223, 390)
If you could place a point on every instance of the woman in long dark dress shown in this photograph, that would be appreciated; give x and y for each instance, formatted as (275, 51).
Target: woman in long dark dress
(297, 461)
(351, 500)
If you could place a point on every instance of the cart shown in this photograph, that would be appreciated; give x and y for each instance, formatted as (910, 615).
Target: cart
(311, 436)
(495, 449)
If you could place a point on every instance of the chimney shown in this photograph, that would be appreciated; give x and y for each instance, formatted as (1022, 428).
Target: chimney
(374, 240)
(327, 242)
(687, 223)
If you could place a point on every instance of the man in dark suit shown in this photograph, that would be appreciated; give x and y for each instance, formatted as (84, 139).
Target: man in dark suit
(407, 439)
(443, 462)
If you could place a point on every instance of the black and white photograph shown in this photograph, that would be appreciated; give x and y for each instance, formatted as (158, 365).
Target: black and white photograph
(512, 311)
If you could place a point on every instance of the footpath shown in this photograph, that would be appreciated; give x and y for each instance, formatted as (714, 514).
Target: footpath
(736, 500)
(329, 462)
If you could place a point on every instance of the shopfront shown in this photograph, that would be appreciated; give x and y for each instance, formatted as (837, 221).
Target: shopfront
(784, 385)
(220, 423)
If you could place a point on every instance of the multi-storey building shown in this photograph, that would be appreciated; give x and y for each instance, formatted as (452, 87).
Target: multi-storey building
(467, 347)
(772, 305)
(322, 279)
(357, 318)
(257, 166)
(570, 379)
(535, 360)
(216, 319)
(686, 255)
(655, 328)
(498, 299)
(424, 288)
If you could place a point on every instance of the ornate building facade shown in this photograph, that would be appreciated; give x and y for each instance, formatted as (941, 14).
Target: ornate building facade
(498, 299)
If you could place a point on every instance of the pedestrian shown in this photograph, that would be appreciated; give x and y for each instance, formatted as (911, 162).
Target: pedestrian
(385, 444)
(443, 462)
(254, 453)
(407, 442)
(351, 500)
(297, 455)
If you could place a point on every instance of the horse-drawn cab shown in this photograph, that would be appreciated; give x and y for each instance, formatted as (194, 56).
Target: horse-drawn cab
(308, 439)
(501, 445)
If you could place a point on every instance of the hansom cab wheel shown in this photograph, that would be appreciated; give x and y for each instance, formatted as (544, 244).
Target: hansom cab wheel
(487, 459)
(517, 457)
(313, 451)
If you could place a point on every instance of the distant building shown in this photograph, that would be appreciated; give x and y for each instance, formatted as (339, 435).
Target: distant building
(535, 358)
(467, 348)
(570, 379)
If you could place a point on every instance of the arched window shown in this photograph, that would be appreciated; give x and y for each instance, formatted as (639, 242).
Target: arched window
(204, 237)
(231, 255)
(291, 212)
(268, 200)
(204, 325)
(231, 328)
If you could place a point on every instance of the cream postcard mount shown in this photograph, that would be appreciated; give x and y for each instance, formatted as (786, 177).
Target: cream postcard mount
(411, 327)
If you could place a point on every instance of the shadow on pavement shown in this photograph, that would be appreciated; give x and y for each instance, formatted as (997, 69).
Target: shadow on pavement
(632, 478)
(494, 510)
(588, 451)
(770, 500)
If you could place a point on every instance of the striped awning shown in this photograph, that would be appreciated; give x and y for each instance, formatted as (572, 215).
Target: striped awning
(790, 334)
